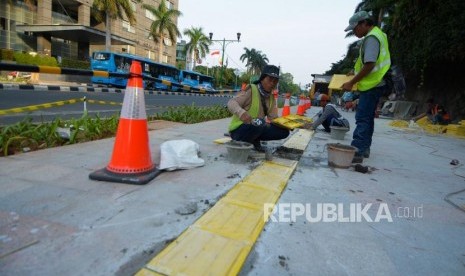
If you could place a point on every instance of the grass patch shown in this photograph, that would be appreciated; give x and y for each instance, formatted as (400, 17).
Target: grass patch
(29, 136)
(191, 114)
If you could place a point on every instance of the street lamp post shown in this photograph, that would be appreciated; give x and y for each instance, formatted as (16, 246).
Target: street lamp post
(223, 43)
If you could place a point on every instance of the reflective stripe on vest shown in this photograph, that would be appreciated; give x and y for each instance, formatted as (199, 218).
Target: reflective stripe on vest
(383, 63)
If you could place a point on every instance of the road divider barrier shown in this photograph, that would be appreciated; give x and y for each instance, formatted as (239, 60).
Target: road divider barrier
(38, 106)
(105, 74)
(84, 100)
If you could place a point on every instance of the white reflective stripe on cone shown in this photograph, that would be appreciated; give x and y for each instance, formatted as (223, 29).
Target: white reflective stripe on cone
(134, 104)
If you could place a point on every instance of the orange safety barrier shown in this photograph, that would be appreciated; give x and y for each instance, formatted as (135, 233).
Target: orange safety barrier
(287, 107)
(275, 95)
(301, 108)
(131, 161)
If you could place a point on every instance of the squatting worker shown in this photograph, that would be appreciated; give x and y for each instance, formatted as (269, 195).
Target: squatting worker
(250, 108)
(372, 64)
(329, 116)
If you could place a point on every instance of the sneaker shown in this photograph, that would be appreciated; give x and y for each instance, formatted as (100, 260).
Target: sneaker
(357, 159)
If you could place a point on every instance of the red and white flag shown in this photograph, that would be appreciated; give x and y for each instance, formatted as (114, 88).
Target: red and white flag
(216, 52)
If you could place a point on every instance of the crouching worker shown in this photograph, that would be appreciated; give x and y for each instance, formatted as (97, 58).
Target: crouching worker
(251, 107)
(329, 116)
(435, 113)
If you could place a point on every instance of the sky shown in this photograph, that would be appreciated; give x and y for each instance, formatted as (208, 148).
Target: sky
(303, 37)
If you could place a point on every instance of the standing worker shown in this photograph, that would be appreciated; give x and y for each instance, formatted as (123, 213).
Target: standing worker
(251, 106)
(372, 64)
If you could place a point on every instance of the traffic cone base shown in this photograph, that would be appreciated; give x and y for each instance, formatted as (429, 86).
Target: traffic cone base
(137, 179)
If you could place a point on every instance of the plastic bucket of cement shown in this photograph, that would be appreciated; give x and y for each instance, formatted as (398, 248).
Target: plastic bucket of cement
(338, 133)
(238, 152)
(340, 156)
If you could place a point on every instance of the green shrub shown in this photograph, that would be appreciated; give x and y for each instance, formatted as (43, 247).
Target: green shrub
(26, 134)
(25, 58)
(191, 114)
(6, 54)
(73, 63)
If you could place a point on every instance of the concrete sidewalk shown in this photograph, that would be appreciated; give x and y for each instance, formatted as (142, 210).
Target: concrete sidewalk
(54, 220)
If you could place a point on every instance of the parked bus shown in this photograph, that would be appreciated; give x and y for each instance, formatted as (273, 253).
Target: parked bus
(117, 62)
(195, 79)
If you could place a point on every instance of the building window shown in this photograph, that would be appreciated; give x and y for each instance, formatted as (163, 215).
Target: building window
(127, 27)
(149, 15)
(133, 6)
(169, 5)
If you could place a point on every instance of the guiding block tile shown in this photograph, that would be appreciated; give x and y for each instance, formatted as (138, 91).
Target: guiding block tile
(251, 195)
(233, 221)
(147, 272)
(199, 252)
(218, 243)
(299, 140)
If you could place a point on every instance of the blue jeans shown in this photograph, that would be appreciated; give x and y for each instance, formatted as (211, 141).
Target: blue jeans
(255, 134)
(365, 119)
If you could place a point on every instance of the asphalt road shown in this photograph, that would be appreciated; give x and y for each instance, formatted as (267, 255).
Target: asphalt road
(154, 104)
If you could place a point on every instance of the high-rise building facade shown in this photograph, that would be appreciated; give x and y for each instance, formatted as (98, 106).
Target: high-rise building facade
(67, 28)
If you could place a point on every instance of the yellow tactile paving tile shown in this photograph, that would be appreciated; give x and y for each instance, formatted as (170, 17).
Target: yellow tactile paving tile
(146, 272)
(233, 221)
(299, 140)
(199, 252)
(218, 242)
(222, 140)
(252, 195)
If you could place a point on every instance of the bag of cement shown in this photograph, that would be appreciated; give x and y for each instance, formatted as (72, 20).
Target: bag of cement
(179, 154)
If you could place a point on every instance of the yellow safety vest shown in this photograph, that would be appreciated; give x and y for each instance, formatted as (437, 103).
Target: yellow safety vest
(383, 63)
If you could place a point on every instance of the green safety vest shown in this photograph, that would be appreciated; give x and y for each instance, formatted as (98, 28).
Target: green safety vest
(253, 111)
(383, 63)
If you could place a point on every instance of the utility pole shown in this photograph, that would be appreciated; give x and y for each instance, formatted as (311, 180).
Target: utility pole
(224, 43)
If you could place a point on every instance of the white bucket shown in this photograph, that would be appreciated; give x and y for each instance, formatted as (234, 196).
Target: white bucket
(238, 152)
(340, 156)
(338, 133)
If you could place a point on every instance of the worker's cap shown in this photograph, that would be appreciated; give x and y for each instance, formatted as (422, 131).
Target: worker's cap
(323, 97)
(357, 17)
(269, 70)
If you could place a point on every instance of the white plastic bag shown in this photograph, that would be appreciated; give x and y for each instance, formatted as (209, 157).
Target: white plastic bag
(179, 154)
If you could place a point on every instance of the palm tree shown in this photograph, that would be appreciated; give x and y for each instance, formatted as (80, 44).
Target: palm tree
(197, 47)
(256, 60)
(112, 9)
(164, 23)
(246, 56)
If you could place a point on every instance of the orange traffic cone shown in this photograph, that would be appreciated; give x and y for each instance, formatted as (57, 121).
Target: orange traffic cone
(300, 108)
(275, 95)
(131, 161)
(287, 108)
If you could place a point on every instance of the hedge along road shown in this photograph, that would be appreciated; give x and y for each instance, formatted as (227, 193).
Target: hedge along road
(154, 103)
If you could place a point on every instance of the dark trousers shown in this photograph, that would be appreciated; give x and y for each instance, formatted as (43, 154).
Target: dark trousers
(331, 120)
(254, 134)
(365, 119)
